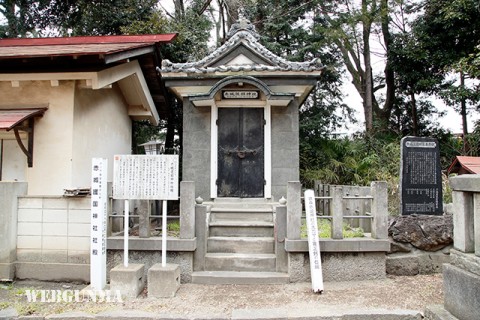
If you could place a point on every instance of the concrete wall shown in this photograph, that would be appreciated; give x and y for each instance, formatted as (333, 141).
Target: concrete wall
(285, 148)
(101, 129)
(9, 191)
(341, 266)
(53, 238)
(196, 147)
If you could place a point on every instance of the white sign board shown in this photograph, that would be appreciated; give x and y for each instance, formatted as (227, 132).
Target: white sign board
(313, 243)
(98, 232)
(145, 177)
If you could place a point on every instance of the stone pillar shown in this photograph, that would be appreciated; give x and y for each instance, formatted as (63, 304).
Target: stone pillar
(187, 210)
(461, 277)
(144, 223)
(9, 193)
(379, 210)
(294, 210)
(201, 235)
(463, 221)
(280, 235)
(336, 210)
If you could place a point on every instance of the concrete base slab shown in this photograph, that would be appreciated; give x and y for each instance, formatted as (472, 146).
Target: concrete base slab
(235, 277)
(52, 271)
(461, 292)
(163, 282)
(7, 271)
(438, 312)
(325, 313)
(9, 313)
(129, 280)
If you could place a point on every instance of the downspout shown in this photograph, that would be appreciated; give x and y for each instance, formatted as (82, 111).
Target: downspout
(1, 158)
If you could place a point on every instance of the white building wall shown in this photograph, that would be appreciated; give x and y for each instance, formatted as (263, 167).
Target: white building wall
(52, 154)
(102, 128)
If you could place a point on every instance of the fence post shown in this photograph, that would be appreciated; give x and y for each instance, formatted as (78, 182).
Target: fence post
(294, 209)
(144, 223)
(280, 235)
(336, 211)
(201, 234)
(187, 210)
(379, 210)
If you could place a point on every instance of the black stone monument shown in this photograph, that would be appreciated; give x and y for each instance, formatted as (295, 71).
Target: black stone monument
(420, 177)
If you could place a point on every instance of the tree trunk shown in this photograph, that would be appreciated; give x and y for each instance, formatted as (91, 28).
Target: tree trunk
(414, 114)
(368, 81)
(463, 112)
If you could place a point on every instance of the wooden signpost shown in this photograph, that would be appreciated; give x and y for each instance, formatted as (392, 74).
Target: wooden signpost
(98, 219)
(313, 242)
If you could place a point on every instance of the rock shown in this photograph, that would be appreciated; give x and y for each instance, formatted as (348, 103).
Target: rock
(425, 232)
(399, 247)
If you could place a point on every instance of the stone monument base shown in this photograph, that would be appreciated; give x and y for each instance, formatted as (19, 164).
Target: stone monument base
(163, 282)
(129, 280)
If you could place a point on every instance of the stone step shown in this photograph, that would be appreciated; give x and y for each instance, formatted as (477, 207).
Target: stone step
(228, 228)
(241, 244)
(240, 262)
(236, 277)
(241, 215)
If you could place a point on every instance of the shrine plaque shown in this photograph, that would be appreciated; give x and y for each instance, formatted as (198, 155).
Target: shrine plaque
(420, 177)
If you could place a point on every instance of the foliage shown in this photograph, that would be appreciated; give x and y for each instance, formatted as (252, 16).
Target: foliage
(325, 230)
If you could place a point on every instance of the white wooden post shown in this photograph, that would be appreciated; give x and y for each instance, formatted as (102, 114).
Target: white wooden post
(98, 231)
(164, 233)
(313, 242)
(125, 233)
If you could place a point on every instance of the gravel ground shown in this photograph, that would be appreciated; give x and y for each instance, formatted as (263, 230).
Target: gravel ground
(412, 293)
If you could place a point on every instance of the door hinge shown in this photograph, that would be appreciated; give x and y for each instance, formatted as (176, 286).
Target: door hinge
(216, 122)
(216, 182)
(264, 122)
(264, 182)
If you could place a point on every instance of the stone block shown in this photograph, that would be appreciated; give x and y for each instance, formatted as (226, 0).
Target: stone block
(29, 228)
(79, 216)
(30, 215)
(55, 203)
(54, 243)
(402, 265)
(429, 263)
(438, 312)
(55, 215)
(461, 293)
(30, 202)
(79, 229)
(163, 282)
(128, 280)
(7, 271)
(54, 229)
(466, 261)
(29, 242)
(78, 243)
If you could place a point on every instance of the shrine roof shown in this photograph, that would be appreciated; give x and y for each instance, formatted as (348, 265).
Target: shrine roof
(252, 56)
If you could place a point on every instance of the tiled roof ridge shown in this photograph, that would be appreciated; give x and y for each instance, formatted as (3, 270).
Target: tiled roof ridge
(249, 39)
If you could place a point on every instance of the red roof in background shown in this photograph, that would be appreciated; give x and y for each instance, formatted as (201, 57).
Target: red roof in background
(66, 46)
(470, 164)
(147, 38)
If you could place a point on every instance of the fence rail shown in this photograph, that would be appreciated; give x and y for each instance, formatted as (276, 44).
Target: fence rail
(367, 208)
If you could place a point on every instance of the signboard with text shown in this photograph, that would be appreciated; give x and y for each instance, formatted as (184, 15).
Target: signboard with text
(145, 177)
(420, 177)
